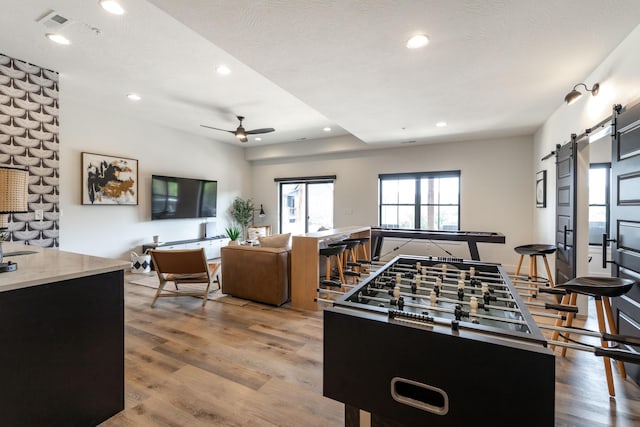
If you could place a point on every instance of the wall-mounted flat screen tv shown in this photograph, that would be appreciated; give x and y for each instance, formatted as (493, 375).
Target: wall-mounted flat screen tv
(174, 198)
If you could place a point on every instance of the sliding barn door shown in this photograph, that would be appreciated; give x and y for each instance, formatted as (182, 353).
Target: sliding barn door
(625, 220)
(565, 211)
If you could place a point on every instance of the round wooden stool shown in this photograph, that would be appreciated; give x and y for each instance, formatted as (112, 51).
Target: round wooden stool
(534, 251)
(601, 289)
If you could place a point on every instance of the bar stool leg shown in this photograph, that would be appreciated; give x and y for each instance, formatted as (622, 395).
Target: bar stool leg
(559, 322)
(607, 362)
(569, 322)
(533, 274)
(340, 275)
(546, 265)
(614, 330)
(519, 265)
(327, 267)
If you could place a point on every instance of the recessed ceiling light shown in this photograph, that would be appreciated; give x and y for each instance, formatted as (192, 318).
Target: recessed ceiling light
(58, 38)
(327, 129)
(417, 41)
(111, 6)
(258, 139)
(223, 69)
(441, 124)
(134, 96)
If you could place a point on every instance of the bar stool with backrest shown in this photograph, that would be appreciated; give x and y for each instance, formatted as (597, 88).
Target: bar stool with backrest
(601, 289)
(534, 251)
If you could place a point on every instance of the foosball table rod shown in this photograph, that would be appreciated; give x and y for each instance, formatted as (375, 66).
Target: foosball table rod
(548, 315)
(478, 314)
(550, 306)
(613, 353)
(330, 291)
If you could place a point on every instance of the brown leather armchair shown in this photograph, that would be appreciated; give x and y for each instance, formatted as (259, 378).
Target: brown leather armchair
(256, 273)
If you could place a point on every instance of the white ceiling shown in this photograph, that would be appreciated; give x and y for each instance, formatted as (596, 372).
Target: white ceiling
(493, 67)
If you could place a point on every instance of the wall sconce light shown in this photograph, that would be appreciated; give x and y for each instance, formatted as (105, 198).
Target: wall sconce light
(261, 214)
(575, 94)
(13, 199)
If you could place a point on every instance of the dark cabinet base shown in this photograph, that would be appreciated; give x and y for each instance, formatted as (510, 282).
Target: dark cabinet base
(62, 356)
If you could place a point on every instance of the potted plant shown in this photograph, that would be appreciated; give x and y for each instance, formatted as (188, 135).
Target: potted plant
(242, 212)
(233, 233)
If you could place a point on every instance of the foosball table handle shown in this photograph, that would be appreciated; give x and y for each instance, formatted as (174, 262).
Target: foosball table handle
(622, 355)
(561, 307)
(623, 339)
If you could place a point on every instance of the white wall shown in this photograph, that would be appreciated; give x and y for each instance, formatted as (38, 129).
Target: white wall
(497, 183)
(114, 231)
(619, 84)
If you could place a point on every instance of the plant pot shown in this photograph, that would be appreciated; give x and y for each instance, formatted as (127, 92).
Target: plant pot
(233, 243)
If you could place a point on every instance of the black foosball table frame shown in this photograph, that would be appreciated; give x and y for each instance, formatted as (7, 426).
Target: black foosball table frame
(410, 359)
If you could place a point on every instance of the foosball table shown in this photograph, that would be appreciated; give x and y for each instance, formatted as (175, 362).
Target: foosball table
(437, 341)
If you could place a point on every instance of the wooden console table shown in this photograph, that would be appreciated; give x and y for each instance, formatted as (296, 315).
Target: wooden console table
(62, 329)
(305, 262)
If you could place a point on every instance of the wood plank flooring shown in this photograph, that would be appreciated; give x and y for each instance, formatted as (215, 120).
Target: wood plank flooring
(237, 363)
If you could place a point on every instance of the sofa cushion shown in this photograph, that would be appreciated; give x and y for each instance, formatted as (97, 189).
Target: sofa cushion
(276, 241)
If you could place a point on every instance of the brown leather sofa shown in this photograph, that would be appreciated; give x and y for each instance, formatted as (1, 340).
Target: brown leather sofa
(258, 274)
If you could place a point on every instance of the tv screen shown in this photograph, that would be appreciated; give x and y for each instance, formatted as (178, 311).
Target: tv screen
(174, 198)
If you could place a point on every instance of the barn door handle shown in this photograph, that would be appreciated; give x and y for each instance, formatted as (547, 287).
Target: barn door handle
(605, 240)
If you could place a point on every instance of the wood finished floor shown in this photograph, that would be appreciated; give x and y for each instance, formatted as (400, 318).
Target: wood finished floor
(237, 363)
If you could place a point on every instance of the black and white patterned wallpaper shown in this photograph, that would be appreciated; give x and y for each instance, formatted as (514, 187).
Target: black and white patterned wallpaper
(29, 139)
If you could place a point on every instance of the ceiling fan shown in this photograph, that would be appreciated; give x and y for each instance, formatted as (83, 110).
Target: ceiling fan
(240, 133)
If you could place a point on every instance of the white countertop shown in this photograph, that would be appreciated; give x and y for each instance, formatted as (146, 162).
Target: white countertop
(342, 231)
(49, 265)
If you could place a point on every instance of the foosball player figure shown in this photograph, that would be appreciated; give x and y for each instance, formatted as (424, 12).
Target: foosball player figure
(474, 282)
(459, 313)
(473, 309)
(401, 303)
(433, 297)
(460, 290)
(436, 287)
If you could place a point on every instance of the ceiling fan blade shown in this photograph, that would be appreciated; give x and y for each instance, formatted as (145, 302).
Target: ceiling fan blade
(263, 130)
(223, 130)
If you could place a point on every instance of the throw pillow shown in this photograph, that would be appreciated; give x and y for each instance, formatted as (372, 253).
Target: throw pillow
(276, 241)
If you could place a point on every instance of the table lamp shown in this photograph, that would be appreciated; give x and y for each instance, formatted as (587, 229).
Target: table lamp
(13, 199)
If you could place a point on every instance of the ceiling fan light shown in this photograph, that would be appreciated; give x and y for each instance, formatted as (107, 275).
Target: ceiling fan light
(417, 41)
(223, 70)
(112, 7)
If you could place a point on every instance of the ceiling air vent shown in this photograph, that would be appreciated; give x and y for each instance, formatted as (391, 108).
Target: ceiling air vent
(53, 21)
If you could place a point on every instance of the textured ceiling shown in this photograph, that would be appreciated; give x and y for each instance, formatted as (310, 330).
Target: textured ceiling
(493, 68)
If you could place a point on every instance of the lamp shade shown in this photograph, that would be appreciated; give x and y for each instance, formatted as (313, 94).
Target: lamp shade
(572, 96)
(13, 192)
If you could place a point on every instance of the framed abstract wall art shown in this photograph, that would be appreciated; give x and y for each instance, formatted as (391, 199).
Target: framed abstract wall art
(541, 189)
(109, 180)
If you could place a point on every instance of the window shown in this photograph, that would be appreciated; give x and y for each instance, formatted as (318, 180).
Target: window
(423, 200)
(306, 204)
(599, 176)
